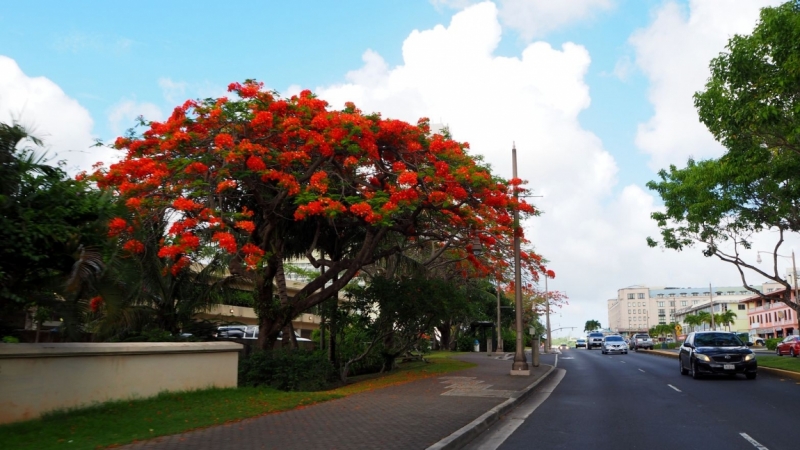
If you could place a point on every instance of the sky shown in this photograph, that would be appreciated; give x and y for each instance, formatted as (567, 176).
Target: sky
(596, 95)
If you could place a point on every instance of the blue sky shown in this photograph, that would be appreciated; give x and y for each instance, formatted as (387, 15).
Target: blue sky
(595, 93)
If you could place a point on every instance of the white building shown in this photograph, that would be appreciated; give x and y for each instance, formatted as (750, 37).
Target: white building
(639, 308)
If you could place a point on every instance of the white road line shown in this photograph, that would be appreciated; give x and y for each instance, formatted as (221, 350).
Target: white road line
(753, 441)
(556, 363)
(673, 387)
(640, 370)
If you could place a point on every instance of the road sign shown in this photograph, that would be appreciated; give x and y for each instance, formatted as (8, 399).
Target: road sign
(678, 328)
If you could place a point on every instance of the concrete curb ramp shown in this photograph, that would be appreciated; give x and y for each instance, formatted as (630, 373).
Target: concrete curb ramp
(470, 431)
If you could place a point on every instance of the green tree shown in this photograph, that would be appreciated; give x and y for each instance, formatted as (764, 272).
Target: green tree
(592, 325)
(693, 320)
(705, 318)
(725, 318)
(751, 105)
(51, 227)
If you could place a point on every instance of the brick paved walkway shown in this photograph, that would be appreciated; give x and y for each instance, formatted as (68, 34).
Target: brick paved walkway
(414, 415)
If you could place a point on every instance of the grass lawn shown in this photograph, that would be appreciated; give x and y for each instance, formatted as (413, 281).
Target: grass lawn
(779, 362)
(122, 422)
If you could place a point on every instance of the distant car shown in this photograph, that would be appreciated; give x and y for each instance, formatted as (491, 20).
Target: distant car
(716, 352)
(758, 341)
(563, 346)
(614, 344)
(580, 343)
(789, 346)
(594, 339)
(641, 341)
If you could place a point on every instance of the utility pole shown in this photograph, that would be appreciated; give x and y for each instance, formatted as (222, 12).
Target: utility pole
(520, 366)
(499, 333)
(547, 345)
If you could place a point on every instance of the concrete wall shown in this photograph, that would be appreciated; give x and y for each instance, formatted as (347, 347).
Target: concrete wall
(35, 378)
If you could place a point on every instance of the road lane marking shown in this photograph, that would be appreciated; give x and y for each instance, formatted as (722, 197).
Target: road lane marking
(755, 443)
(673, 387)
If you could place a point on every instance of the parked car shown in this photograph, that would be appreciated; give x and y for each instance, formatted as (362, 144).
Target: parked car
(248, 332)
(614, 344)
(789, 346)
(580, 343)
(756, 340)
(716, 352)
(594, 339)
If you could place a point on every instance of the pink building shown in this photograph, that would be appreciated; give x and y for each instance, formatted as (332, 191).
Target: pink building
(770, 318)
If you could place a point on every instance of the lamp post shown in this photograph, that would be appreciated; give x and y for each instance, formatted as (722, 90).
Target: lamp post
(520, 366)
(547, 345)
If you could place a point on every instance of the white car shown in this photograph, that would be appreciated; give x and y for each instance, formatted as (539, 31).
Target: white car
(614, 344)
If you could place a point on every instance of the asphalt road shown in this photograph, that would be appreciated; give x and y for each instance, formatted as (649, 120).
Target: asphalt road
(640, 401)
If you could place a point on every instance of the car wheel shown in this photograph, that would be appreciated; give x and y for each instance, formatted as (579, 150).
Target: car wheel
(683, 369)
(791, 353)
(751, 376)
(695, 373)
(777, 351)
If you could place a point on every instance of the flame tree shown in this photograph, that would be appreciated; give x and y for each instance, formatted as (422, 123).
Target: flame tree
(263, 179)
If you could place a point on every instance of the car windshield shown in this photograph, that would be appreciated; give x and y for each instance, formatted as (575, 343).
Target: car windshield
(614, 338)
(717, 340)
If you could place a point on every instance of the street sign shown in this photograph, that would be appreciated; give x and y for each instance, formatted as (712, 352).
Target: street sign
(678, 328)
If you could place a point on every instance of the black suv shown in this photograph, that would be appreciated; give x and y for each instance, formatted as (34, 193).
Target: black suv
(716, 352)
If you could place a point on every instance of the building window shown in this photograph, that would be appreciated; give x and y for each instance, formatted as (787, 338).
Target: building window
(741, 307)
(641, 295)
(630, 296)
(684, 302)
(660, 312)
(683, 294)
(694, 294)
(694, 302)
(660, 295)
(661, 304)
(672, 303)
(730, 292)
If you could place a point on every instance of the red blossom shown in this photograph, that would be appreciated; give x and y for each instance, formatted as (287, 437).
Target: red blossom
(225, 241)
(95, 303)
(133, 246)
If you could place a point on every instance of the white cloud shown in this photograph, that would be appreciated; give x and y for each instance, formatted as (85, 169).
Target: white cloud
(674, 53)
(535, 18)
(124, 113)
(451, 75)
(595, 240)
(48, 113)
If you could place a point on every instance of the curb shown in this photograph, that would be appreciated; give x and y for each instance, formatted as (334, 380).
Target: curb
(471, 430)
(769, 370)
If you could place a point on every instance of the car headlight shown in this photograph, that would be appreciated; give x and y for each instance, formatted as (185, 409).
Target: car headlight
(750, 357)
(702, 357)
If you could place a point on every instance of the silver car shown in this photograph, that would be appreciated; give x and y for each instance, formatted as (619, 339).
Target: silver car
(614, 344)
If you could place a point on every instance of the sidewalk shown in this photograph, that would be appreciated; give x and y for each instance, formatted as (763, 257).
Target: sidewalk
(439, 412)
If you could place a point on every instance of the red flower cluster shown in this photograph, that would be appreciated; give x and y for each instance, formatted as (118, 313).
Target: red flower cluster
(225, 241)
(95, 303)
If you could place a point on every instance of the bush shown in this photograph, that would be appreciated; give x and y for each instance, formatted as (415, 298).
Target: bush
(10, 340)
(465, 343)
(772, 343)
(296, 370)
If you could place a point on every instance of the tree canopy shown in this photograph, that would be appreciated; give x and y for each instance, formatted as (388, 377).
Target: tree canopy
(751, 104)
(265, 179)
